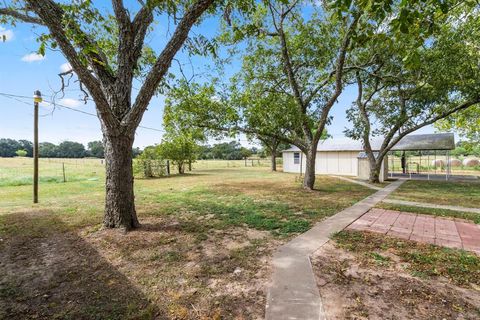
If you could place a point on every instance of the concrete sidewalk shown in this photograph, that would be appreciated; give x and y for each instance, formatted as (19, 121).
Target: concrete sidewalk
(293, 292)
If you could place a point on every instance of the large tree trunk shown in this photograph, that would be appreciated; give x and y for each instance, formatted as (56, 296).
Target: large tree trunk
(374, 172)
(375, 167)
(274, 160)
(119, 201)
(309, 178)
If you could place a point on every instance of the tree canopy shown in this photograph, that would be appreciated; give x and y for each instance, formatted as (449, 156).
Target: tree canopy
(398, 95)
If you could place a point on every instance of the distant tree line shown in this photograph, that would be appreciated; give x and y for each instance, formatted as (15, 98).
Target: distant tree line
(66, 149)
(232, 150)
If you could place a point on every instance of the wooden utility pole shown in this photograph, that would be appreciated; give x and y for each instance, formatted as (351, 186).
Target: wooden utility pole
(37, 98)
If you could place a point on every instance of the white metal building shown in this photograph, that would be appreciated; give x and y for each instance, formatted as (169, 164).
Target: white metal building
(346, 157)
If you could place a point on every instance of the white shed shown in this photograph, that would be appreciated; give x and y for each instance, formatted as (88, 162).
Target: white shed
(346, 157)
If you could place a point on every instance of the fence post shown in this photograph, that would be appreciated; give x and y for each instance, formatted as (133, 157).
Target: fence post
(63, 169)
(168, 167)
(189, 165)
(252, 162)
(245, 161)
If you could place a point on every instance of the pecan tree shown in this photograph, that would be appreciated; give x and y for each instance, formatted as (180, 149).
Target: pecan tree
(105, 46)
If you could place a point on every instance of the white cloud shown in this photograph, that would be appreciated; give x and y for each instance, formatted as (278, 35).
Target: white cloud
(32, 57)
(65, 67)
(71, 103)
(5, 34)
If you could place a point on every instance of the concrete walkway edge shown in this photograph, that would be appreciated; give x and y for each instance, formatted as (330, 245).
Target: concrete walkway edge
(293, 291)
(432, 205)
(362, 183)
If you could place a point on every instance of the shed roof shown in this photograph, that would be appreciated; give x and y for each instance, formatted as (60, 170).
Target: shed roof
(433, 141)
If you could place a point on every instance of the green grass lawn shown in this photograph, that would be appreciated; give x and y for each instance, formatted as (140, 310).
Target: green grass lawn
(202, 252)
(454, 193)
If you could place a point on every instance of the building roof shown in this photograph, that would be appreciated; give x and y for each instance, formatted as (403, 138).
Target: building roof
(434, 141)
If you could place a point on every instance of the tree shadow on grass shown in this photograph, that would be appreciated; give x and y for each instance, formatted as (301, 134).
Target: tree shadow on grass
(49, 272)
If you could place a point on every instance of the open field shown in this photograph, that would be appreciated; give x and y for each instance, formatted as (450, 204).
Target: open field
(19, 171)
(203, 251)
(466, 194)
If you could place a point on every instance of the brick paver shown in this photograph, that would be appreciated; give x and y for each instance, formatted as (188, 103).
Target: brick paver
(422, 228)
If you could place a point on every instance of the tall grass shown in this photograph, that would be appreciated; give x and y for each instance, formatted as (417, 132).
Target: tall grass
(19, 171)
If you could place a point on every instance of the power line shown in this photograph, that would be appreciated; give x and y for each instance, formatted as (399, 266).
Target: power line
(18, 97)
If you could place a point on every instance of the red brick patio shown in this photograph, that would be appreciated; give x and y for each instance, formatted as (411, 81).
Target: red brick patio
(422, 228)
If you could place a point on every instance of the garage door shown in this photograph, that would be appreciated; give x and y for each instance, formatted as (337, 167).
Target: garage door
(339, 163)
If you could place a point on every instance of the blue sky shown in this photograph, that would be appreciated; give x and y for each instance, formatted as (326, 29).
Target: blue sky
(22, 71)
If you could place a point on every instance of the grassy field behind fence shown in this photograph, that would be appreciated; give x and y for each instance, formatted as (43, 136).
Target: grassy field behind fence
(18, 171)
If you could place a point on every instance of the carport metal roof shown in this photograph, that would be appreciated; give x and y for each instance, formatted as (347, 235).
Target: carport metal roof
(433, 141)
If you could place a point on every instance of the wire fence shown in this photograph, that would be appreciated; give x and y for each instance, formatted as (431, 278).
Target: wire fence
(222, 164)
(18, 171)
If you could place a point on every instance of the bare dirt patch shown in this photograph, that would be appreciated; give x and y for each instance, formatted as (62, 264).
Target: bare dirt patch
(59, 275)
(220, 274)
(351, 288)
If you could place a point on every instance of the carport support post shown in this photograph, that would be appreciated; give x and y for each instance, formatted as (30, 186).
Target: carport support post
(447, 171)
(428, 166)
(392, 154)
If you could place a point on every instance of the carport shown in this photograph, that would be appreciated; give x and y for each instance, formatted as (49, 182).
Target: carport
(424, 157)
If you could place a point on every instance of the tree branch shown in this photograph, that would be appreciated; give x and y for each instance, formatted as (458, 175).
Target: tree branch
(50, 13)
(25, 17)
(160, 68)
(339, 69)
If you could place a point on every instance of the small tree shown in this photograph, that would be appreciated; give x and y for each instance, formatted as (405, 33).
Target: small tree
(21, 153)
(180, 150)
(149, 163)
